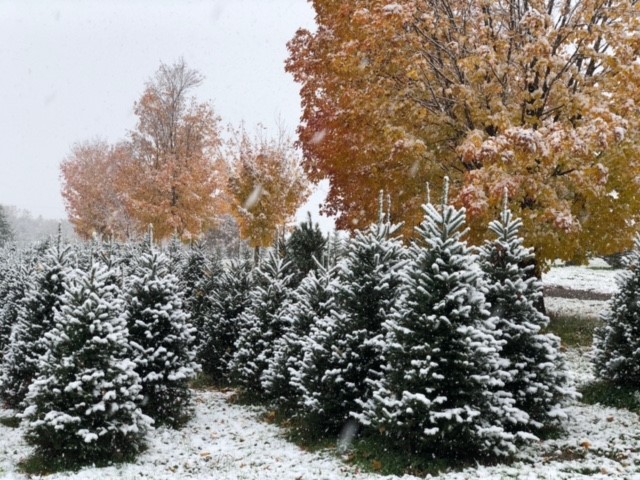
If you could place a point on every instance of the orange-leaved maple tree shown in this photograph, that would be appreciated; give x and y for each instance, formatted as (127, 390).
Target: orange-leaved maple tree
(541, 97)
(91, 179)
(176, 175)
(266, 184)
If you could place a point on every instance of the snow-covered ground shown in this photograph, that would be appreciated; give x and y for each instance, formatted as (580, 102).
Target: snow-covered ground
(598, 278)
(228, 441)
(592, 279)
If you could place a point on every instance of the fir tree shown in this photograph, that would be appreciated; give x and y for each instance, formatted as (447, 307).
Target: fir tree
(538, 375)
(199, 276)
(227, 300)
(34, 320)
(306, 247)
(342, 351)
(6, 232)
(312, 300)
(12, 292)
(260, 325)
(617, 342)
(82, 406)
(162, 339)
(441, 388)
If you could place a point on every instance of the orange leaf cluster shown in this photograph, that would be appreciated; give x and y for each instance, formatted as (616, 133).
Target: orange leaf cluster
(539, 96)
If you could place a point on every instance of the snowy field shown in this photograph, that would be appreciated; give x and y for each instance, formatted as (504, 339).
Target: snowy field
(227, 441)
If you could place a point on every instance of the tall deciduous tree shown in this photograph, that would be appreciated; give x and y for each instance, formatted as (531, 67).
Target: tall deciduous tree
(176, 172)
(537, 96)
(266, 185)
(92, 178)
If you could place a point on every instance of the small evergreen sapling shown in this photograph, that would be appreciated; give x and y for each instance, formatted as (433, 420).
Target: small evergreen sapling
(306, 247)
(538, 375)
(199, 278)
(82, 406)
(260, 325)
(34, 320)
(617, 342)
(312, 300)
(161, 338)
(227, 300)
(341, 354)
(12, 292)
(441, 388)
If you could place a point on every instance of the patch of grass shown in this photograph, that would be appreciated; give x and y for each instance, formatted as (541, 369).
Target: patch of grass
(11, 422)
(203, 382)
(47, 464)
(374, 453)
(611, 395)
(574, 331)
(370, 452)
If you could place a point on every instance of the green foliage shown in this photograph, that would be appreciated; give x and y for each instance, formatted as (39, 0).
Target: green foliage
(617, 343)
(33, 320)
(162, 339)
(306, 247)
(574, 331)
(219, 331)
(83, 405)
(6, 232)
(611, 395)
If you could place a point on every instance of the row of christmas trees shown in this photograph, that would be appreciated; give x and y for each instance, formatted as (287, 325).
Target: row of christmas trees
(439, 346)
(96, 348)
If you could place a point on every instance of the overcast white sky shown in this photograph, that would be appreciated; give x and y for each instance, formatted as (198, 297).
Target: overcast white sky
(72, 69)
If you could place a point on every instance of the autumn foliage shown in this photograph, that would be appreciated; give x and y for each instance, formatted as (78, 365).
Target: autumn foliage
(540, 97)
(266, 185)
(168, 173)
(176, 166)
(93, 175)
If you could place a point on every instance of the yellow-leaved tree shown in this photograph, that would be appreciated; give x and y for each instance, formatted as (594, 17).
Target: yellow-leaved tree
(539, 96)
(266, 184)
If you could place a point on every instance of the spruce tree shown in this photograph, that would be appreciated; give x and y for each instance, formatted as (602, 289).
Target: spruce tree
(312, 300)
(82, 406)
(538, 377)
(219, 333)
(441, 389)
(199, 278)
(12, 292)
(306, 247)
(34, 320)
(617, 342)
(162, 339)
(260, 325)
(6, 232)
(342, 351)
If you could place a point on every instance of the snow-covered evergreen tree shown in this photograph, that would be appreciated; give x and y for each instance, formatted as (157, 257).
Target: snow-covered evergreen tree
(306, 247)
(83, 405)
(342, 351)
(34, 320)
(12, 292)
(162, 339)
(441, 389)
(199, 277)
(617, 342)
(312, 300)
(260, 325)
(219, 332)
(538, 374)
